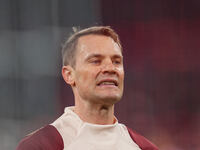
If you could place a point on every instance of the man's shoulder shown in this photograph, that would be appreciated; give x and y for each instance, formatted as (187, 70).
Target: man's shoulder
(141, 141)
(45, 138)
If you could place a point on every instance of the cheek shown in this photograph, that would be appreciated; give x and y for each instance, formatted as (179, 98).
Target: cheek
(121, 72)
(81, 77)
(85, 78)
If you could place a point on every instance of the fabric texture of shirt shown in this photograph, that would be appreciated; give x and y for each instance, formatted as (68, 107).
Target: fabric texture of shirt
(77, 134)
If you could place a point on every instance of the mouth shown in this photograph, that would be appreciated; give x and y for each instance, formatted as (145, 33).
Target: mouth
(108, 82)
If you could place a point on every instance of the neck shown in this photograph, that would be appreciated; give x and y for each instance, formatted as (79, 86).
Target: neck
(95, 113)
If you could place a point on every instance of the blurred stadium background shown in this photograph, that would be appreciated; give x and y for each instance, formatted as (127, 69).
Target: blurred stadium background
(161, 41)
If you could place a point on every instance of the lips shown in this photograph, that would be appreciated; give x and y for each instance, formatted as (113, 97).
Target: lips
(108, 82)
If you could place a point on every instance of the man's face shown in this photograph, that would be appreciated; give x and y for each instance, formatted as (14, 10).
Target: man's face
(99, 72)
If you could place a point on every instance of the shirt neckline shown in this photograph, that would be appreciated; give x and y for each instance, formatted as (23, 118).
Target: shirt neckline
(70, 110)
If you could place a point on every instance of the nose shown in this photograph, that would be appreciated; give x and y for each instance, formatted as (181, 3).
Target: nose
(108, 67)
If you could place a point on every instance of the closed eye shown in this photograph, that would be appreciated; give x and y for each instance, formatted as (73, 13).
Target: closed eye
(117, 62)
(117, 59)
(95, 61)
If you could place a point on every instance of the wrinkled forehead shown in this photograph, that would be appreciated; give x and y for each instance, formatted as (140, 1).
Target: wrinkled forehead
(98, 43)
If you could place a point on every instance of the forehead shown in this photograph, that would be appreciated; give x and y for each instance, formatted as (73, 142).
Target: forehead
(98, 44)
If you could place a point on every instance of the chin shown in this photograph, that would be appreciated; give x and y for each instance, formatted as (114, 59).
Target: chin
(110, 99)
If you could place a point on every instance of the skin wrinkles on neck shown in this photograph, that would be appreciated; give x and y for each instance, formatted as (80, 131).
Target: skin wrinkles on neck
(95, 113)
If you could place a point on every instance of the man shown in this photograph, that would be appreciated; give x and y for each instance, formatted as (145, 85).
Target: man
(93, 67)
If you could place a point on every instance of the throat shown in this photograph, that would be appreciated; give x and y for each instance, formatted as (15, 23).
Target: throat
(101, 114)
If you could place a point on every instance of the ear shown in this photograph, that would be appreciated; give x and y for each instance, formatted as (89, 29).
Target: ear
(68, 75)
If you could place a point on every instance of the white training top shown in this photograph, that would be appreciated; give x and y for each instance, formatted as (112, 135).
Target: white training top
(79, 135)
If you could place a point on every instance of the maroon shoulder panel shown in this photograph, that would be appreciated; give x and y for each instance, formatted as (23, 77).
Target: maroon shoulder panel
(46, 138)
(141, 141)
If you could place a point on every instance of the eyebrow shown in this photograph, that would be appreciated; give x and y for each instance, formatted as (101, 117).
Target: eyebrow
(117, 56)
(101, 56)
